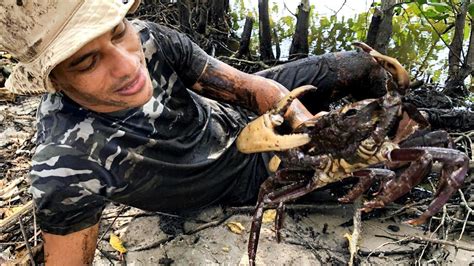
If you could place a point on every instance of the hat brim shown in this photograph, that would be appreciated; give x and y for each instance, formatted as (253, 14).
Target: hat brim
(92, 19)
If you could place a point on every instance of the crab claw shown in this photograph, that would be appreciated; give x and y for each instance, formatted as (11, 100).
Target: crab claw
(390, 64)
(260, 136)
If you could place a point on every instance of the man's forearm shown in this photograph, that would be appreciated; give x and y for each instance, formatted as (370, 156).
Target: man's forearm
(297, 113)
(222, 82)
(72, 249)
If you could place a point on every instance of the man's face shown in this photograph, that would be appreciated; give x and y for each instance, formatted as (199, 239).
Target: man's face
(108, 74)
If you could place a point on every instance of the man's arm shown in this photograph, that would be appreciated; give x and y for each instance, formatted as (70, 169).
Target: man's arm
(72, 249)
(223, 82)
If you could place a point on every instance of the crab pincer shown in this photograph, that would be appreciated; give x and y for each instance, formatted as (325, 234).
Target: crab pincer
(398, 72)
(260, 135)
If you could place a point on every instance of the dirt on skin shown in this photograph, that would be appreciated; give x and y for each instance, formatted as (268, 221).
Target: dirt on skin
(312, 236)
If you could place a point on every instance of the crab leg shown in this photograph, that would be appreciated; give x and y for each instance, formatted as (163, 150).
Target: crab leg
(366, 179)
(455, 166)
(395, 188)
(439, 138)
(260, 136)
(279, 220)
(268, 191)
(285, 185)
(255, 232)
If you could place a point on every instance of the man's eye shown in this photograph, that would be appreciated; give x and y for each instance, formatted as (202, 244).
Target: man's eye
(88, 64)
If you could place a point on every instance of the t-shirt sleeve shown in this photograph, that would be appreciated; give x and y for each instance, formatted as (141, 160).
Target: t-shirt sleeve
(186, 57)
(65, 189)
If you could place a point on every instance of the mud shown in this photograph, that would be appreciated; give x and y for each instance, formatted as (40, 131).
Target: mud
(310, 237)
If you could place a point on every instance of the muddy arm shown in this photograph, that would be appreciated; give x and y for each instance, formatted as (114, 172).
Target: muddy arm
(336, 75)
(225, 83)
(72, 249)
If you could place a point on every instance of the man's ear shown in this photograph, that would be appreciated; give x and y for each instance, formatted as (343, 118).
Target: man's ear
(55, 82)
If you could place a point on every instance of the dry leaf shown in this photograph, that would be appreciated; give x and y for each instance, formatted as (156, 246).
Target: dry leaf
(235, 227)
(7, 55)
(117, 244)
(269, 216)
(12, 210)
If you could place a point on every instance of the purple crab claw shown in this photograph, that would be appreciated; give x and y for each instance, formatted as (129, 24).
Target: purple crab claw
(400, 75)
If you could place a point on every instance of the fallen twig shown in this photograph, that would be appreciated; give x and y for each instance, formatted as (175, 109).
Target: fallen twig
(112, 223)
(35, 228)
(28, 247)
(10, 186)
(293, 207)
(373, 252)
(259, 63)
(407, 238)
(354, 237)
(9, 221)
(10, 243)
(105, 232)
(405, 207)
(469, 211)
(443, 217)
(209, 224)
(363, 252)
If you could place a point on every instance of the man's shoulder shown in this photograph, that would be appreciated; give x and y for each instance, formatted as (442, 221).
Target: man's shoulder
(152, 27)
(150, 30)
(59, 120)
(56, 106)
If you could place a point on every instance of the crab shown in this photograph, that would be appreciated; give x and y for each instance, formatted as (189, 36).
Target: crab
(353, 141)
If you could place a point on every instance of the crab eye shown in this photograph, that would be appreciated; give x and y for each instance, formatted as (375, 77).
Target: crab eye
(350, 112)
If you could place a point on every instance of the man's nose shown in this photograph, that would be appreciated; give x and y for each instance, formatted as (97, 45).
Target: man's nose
(123, 63)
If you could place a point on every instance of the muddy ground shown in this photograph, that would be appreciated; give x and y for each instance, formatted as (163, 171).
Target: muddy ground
(312, 235)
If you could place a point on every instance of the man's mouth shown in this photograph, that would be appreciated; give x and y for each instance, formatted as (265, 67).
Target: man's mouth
(134, 86)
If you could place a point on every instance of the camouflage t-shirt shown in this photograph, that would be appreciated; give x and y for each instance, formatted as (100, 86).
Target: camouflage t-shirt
(175, 153)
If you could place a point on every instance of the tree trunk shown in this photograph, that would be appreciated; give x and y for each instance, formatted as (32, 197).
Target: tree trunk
(265, 36)
(276, 40)
(380, 29)
(217, 12)
(374, 27)
(184, 18)
(457, 68)
(244, 50)
(299, 46)
(203, 17)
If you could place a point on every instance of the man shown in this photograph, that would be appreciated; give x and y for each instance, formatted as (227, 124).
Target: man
(119, 123)
(122, 120)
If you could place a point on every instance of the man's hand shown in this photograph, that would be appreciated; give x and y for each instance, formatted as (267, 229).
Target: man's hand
(72, 249)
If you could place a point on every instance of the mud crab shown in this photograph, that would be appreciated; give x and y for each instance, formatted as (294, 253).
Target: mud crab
(348, 142)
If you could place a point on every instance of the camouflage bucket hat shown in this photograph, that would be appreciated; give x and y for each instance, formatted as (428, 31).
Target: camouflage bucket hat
(43, 33)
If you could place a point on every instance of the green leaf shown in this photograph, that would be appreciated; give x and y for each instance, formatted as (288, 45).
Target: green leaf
(288, 21)
(397, 11)
(470, 9)
(440, 7)
(431, 13)
(275, 8)
(421, 2)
